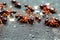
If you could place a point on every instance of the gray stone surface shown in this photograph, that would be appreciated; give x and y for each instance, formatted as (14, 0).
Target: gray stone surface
(38, 31)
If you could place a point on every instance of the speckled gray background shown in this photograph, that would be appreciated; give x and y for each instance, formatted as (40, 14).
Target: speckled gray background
(38, 31)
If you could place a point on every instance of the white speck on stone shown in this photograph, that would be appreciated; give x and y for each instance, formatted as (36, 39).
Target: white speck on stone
(41, 13)
(58, 14)
(30, 34)
(36, 7)
(19, 4)
(56, 38)
(11, 19)
(10, 6)
(36, 11)
(14, 0)
(52, 8)
(47, 4)
(14, 26)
